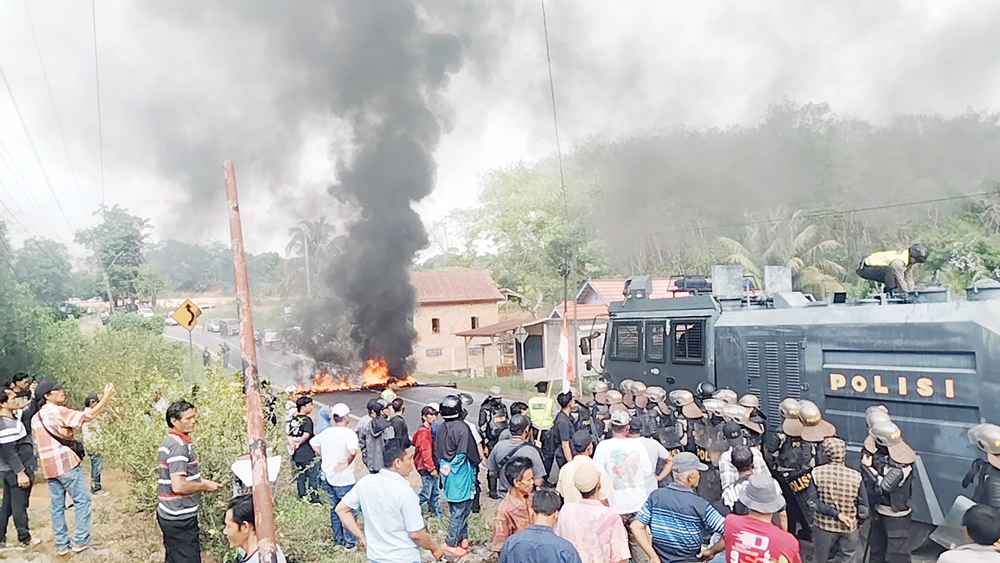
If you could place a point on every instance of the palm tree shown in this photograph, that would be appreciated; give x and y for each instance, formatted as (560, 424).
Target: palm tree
(787, 240)
(310, 239)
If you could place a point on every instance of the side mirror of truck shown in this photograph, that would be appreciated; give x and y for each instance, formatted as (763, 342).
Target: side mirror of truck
(585, 346)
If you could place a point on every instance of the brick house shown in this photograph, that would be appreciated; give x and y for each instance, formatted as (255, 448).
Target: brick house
(453, 301)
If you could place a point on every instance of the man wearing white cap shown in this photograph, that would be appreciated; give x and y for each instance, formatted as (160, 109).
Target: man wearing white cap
(337, 447)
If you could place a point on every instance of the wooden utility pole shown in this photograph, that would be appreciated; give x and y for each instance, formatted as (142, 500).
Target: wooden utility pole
(262, 503)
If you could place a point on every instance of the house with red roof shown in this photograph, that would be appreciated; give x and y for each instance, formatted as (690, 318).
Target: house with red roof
(451, 302)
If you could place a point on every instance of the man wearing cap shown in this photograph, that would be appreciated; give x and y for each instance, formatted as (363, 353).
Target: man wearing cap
(541, 409)
(754, 537)
(677, 518)
(837, 537)
(891, 468)
(596, 531)
(337, 447)
(734, 437)
(519, 445)
(985, 473)
(493, 420)
(374, 431)
(583, 447)
(423, 456)
(52, 428)
(631, 471)
(893, 268)
(982, 525)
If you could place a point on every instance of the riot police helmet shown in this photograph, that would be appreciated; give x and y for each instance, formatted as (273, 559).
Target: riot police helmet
(625, 386)
(791, 426)
(598, 387)
(874, 416)
(918, 253)
(713, 406)
(495, 392)
(889, 436)
(656, 394)
(750, 401)
(684, 400)
(451, 407)
(705, 390)
(639, 394)
(789, 408)
(614, 397)
(986, 437)
(815, 428)
(733, 413)
(727, 396)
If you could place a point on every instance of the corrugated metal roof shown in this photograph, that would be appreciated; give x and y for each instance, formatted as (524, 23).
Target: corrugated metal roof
(613, 290)
(495, 329)
(454, 286)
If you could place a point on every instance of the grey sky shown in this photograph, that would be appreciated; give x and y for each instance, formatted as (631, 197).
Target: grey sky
(185, 85)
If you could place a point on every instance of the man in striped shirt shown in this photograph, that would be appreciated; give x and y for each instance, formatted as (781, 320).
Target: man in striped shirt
(180, 486)
(53, 428)
(677, 517)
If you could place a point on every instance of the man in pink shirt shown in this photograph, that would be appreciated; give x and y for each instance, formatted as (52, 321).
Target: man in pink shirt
(596, 531)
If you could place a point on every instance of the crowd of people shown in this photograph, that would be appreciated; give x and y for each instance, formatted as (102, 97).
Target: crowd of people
(633, 474)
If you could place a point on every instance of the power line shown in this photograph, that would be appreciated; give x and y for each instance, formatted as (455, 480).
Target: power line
(97, 75)
(555, 116)
(33, 231)
(52, 99)
(822, 214)
(21, 183)
(34, 149)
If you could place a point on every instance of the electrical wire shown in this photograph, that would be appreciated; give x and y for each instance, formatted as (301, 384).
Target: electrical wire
(34, 150)
(52, 100)
(22, 184)
(555, 115)
(822, 214)
(97, 76)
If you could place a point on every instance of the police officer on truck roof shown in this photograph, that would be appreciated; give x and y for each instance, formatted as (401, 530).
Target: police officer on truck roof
(985, 473)
(891, 468)
(493, 419)
(893, 268)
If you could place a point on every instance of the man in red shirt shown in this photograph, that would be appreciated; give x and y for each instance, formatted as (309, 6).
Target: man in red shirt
(753, 538)
(423, 441)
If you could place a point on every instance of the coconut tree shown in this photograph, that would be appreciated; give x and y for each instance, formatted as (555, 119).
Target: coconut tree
(787, 240)
(311, 240)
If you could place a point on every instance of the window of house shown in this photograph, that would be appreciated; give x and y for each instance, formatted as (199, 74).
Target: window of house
(689, 342)
(656, 342)
(433, 352)
(435, 326)
(475, 323)
(626, 341)
(475, 350)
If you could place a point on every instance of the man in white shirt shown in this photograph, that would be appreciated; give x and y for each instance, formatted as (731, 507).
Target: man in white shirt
(394, 529)
(337, 447)
(627, 463)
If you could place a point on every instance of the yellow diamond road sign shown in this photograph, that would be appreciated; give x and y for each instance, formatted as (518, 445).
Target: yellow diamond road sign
(187, 314)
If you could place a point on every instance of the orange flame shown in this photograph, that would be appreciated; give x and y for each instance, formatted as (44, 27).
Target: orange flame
(375, 374)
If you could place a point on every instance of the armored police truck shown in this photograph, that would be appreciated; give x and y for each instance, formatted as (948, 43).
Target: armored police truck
(933, 361)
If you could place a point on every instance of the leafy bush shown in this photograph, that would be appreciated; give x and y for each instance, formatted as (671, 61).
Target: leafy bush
(135, 321)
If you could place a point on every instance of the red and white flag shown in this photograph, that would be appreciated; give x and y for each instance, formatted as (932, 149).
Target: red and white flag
(566, 357)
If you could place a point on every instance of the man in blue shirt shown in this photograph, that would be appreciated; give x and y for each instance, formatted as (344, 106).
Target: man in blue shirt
(677, 516)
(539, 544)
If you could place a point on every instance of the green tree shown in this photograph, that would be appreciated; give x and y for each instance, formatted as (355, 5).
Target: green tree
(45, 267)
(787, 240)
(312, 240)
(117, 247)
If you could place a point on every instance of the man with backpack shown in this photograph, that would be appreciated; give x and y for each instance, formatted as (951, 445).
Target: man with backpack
(519, 445)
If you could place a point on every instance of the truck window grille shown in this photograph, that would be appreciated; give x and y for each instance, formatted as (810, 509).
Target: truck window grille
(689, 342)
(753, 359)
(793, 382)
(773, 380)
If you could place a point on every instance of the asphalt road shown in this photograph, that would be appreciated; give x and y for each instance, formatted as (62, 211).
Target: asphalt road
(280, 369)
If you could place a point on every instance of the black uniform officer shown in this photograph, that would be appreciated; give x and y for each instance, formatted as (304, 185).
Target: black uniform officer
(985, 473)
(791, 460)
(711, 444)
(493, 419)
(599, 413)
(667, 429)
(689, 414)
(891, 468)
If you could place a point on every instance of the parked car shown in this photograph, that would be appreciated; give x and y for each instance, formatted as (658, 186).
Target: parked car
(214, 325)
(146, 312)
(229, 327)
(170, 321)
(206, 306)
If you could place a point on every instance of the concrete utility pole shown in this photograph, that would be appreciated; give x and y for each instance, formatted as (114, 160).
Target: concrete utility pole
(263, 506)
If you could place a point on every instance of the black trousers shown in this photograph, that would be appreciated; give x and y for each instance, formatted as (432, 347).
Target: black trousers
(180, 539)
(889, 539)
(878, 274)
(15, 504)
